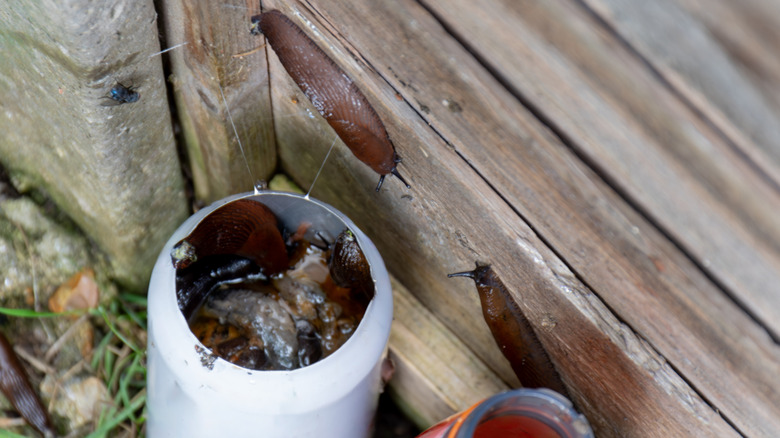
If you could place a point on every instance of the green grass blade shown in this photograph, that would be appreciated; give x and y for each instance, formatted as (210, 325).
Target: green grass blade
(29, 313)
(8, 434)
(113, 329)
(105, 427)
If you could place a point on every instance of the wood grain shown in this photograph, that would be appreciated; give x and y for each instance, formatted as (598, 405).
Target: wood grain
(638, 136)
(436, 373)
(454, 124)
(215, 32)
(647, 281)
(749, 32)
(677, 45)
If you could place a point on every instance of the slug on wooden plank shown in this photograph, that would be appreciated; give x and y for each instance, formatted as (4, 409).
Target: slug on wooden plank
(243, 228)
(332, 93)
(17, 389)
(513, 333)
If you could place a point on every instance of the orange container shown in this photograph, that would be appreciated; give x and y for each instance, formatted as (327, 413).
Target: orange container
(522, 413)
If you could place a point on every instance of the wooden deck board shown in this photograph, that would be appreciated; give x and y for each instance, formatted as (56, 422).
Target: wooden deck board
(690, 300)
(639, 137)
(618, 164)
(676, 44)
(643, 277)
(749, 32)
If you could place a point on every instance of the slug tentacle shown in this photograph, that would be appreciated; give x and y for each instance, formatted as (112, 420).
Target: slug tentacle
(379, 184)
(469, 274)
(332, 92)
(513, 332)
(397, 175)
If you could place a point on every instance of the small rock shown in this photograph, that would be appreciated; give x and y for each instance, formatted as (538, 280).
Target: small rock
(79, 400)
(31, 243)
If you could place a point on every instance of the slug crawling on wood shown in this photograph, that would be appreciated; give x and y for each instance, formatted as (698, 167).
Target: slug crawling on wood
(513, 333)
(332, 93)
(16, 387)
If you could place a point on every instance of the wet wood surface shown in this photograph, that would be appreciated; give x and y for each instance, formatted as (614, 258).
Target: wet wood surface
(631, 215)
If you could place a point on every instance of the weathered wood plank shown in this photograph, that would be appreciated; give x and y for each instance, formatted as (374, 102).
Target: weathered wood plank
(638, 136)
(611, 248)
(112, 168)
(749, 32)
(452, 217)
(215, 32)
(679, 46)
(436, 374)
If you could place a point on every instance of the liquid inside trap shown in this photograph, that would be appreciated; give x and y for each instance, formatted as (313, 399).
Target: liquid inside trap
(288, 321)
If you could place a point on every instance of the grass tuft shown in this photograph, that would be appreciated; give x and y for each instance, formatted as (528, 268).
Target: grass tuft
(118, 359)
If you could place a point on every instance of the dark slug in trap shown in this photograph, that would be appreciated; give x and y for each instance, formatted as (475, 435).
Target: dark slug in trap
(263, 301)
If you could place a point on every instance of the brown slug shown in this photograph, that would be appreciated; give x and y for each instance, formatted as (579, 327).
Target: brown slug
(17, 389)
(243, 228)
(332, 93)
(348, 266)
(513, 333)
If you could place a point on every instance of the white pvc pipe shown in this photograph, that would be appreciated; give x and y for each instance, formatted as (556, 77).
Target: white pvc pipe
(335, 397)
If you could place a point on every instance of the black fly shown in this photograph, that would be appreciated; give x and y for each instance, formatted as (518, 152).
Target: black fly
(123, 94)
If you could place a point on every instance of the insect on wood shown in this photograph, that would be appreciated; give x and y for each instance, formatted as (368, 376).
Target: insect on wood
(123, 94)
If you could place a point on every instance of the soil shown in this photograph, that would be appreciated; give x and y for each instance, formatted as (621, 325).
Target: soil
(391, 422)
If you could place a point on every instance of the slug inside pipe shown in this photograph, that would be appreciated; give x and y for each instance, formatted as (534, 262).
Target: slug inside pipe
(290, 320)
(349, 268)
(244, 228)
(333, 94)
(194, 284)
(240, 239)
(17, 389)
(513, 332)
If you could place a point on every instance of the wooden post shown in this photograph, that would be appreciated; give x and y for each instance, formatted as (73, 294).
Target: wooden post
(112, 168)
(219, 58)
